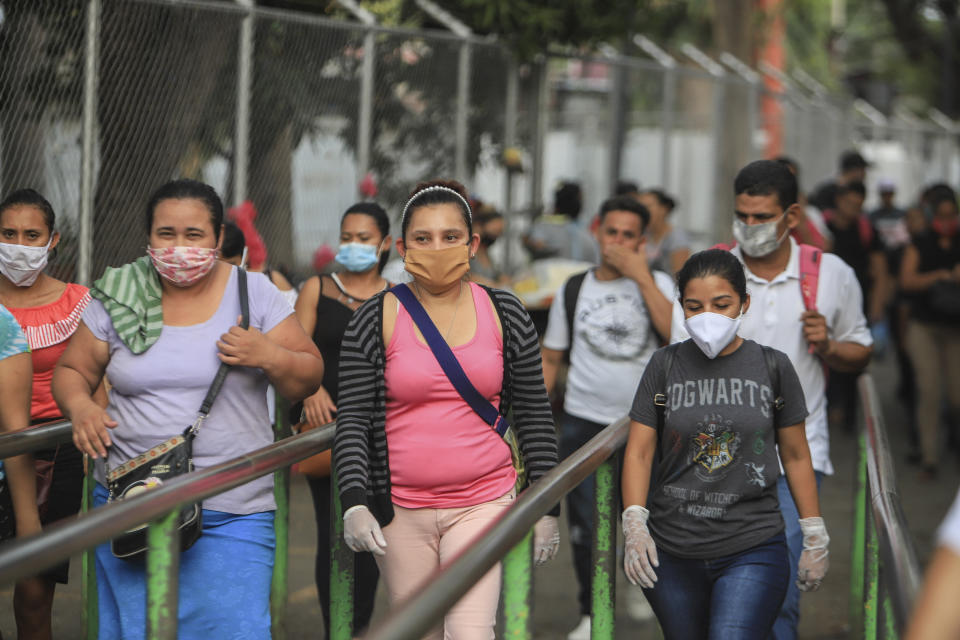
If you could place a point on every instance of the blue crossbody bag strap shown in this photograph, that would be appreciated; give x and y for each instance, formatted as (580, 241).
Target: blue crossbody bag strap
(448, 362)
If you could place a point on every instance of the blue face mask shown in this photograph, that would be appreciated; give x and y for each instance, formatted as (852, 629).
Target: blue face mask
(357, 257)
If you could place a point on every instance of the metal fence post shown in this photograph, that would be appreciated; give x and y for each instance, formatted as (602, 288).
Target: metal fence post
(667, 105)
(241, 151)
(90, 620)
(91, 71)
(342, 579)
(365, 122)
(518, 591)
(858, 541)
(540, 134)
(163, 576)
(617, 122)
(603, 584)
(463, 110)
(281, 529)
(509, 141)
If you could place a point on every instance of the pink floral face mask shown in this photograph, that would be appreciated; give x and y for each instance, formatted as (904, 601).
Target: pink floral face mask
(182, 266)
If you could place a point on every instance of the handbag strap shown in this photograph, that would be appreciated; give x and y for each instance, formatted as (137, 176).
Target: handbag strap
(217, 383)
(448, 361)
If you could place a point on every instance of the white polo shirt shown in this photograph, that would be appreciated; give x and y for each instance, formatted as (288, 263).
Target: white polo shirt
(949, 533)
(774, 320)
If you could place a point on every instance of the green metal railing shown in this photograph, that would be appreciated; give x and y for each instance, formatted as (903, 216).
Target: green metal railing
(59, 541)
(884, 572)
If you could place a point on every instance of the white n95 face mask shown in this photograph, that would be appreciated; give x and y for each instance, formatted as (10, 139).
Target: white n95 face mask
(21, 264)
(712, 332)
(758, 240)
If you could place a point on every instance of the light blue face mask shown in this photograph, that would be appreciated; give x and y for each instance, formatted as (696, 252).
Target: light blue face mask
(357, 257)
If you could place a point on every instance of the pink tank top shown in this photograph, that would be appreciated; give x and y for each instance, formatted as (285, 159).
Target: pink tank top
(442, 454)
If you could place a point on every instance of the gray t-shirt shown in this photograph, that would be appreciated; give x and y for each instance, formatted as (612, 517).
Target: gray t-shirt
(714, 489)
(157, 394)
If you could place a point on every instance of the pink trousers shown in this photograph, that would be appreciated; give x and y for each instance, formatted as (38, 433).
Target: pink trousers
(420, 541)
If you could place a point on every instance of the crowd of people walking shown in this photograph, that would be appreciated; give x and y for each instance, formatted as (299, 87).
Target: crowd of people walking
(732, 363)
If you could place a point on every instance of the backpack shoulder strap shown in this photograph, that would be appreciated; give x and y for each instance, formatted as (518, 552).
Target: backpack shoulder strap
(571, 291)
(866, 232)
(810, 258)
(660, 398)
(773, 371)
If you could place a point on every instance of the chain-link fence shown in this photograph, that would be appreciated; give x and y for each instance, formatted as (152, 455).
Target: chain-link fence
(101, 101)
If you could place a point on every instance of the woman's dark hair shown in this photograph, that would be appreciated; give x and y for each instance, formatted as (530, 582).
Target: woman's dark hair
(662, 198)
(713, 262)
(30, 198)
(625, 203)
(233, 240)
(424, 196)
(185, 189)
(380, 217)
(767, 178)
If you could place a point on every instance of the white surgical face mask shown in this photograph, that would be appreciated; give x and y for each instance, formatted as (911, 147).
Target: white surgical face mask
(712, 332)
(758, 240)
(22, 265)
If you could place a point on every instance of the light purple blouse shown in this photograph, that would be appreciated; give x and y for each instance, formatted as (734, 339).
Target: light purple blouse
(157, 394)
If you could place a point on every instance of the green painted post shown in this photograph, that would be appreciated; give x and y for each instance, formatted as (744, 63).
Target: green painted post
(342, 579)
(858, 543)
(889, 621)
(871, 602)
(279, 586)
(518, 591)
(602, 622)
(163, 577)
(88, 585)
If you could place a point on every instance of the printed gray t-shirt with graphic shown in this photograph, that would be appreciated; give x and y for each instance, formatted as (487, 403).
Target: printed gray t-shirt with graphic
(714, 489)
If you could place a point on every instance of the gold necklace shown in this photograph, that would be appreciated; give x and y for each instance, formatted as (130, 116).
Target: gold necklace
(455, 308)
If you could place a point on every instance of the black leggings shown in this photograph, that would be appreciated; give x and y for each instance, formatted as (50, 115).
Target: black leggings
(365, 567)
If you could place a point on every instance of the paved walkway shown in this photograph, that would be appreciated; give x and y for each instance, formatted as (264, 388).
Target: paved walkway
(824, 614)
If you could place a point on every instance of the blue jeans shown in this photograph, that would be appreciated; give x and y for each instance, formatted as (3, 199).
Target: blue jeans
(581, 504)
(729, 598)
(785, 628)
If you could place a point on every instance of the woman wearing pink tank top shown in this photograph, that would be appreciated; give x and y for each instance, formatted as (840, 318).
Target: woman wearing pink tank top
(421, 474)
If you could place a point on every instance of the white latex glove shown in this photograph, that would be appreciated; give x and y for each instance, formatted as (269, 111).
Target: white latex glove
(361, 531)
(640, 553)
(546, 539)
(813, 563)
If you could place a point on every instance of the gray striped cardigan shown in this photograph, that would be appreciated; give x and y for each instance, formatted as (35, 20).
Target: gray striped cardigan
(360, 447)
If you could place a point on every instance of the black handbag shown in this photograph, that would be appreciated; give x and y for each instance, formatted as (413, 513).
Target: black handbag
(944, 299)
(165, 461)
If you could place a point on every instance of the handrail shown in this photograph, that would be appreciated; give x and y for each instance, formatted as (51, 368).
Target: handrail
(24, 557)
(418, 615)
(41, 436)
(900, 570)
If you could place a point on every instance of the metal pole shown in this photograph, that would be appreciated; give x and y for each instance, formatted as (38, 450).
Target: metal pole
(91, 71)
(540, 137)
(342, 578)
(463, 106)
(163, 577)
(90, 620)
(604, 580)
(858, 542)
(617, 124)
(667, 124)
(721, 220)
(871, 600)
(365, 123)
(518, 591)
(241, 151)
(281, 528)
(509, 140)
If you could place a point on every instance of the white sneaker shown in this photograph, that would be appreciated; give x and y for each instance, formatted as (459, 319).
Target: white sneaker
(582, 630)
(637, 606)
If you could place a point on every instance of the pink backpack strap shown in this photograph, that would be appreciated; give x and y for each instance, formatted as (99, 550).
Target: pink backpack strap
(809, 275)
